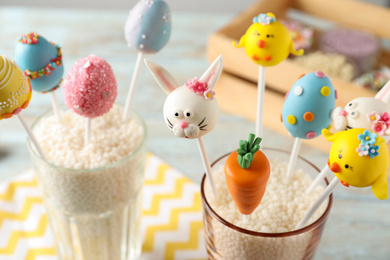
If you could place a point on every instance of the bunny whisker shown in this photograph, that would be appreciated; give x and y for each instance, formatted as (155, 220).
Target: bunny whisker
(170, 124)
(201, 122)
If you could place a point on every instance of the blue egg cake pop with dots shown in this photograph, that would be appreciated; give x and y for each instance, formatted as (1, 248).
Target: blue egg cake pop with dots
(40, 60)
(308, 105)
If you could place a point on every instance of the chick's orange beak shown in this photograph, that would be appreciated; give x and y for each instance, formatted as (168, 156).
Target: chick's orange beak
(335, 167)
(260, 43)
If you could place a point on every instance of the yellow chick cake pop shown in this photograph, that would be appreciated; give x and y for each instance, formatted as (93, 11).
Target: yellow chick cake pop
(267, 42)
(15, 89)
(359, 158)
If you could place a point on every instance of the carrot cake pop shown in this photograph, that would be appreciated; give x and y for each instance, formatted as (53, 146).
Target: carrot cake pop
(247, 171)
(15, 89)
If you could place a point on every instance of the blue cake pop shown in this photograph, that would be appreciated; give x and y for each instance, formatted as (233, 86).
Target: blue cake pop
(309, 105)
(148, 26)
(40, 60)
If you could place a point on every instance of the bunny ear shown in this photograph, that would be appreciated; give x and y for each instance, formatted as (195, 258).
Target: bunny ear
(166, 81)
(384, 93)
(211, 76)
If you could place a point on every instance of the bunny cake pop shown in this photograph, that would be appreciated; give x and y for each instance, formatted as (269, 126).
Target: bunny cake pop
(247, 171)
(267, 42)
(359, 158)
(40, 60)
(190, 110)
(308, 105)
(366, 112)
(15, 89)
(90, 87)
(148, 26)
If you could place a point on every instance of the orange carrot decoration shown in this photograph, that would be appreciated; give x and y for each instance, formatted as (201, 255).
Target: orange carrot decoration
(247, 171)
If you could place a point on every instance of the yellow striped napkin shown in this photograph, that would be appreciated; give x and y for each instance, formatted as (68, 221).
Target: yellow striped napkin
(171, 224)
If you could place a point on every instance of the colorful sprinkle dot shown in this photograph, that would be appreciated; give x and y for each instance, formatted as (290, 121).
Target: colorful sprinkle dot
(291, 119)
(308, 116)
(325, 91)
(298, 90)
(320, 74)
(311, 134)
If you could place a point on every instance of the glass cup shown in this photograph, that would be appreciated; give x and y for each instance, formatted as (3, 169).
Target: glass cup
(94, 213)
(227, 241)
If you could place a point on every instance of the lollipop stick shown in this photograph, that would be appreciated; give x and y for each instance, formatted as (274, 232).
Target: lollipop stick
(56, 106)
(293, 157)
(260, 101)
(319, 177)
(246, 218)
(31, 135)
(325, 194)
(132, 86)
(206, 165)
(87, 131)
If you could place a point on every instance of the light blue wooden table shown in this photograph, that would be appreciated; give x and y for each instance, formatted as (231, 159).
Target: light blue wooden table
(359, 224)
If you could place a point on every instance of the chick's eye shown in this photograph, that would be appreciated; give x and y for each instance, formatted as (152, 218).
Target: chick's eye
(340, 156)
(270, 36)
(346, 166)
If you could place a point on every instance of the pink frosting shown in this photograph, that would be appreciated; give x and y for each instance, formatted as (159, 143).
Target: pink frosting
(90, 87)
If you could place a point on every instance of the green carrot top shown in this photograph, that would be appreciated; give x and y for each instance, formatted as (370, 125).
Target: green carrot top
(247, 150)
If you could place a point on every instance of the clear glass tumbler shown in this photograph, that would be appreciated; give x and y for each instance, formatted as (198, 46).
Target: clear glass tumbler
(226, 241)
(95, 213)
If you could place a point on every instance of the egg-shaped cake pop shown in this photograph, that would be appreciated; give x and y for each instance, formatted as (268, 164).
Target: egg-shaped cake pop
(359, 158)
(148, 26)
(41, 61)
(267, 41)
(308, 106)
(90, 87)
(15, 89)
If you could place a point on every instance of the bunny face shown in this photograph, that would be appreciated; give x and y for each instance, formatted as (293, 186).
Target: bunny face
(190, 110)
(360, 113)
(188, 114)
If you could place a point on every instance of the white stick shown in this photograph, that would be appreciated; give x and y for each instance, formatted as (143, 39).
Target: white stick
(319, 177)
(133, 82)
(246, 218)
(87, 131)
(206, 165)
(325, 194)
(293, 157)
(260, 101)
(31, 135)
(56, 106)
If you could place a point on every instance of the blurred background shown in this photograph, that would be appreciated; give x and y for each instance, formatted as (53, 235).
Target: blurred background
(176, 5)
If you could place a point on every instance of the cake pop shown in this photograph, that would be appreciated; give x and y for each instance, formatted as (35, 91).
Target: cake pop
(366, 112)
(147, 30)
(148, 26)
(15, 89)
(307, 110)
(40, 60)
(190, 110)
(247, 171)
(267, 42)
(358, 158)
(90, 87)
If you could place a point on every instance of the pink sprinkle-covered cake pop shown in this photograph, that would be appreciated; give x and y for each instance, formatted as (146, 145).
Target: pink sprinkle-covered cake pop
(90, 87)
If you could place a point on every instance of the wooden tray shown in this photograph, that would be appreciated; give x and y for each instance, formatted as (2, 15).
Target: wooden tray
(237, 89)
